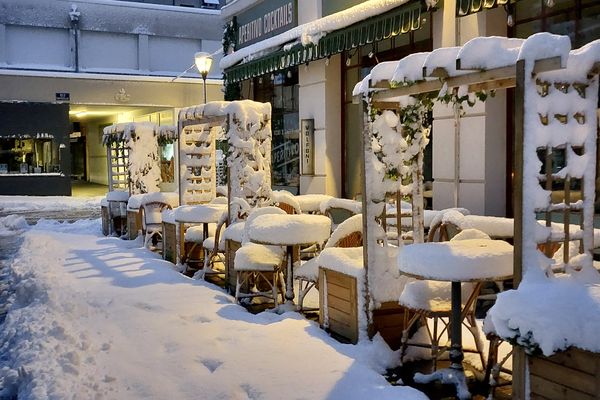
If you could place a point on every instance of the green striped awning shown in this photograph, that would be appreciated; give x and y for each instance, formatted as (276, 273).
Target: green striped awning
(468, 7)
(400, 20)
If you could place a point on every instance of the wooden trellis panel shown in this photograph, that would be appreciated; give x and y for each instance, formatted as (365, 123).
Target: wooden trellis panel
(117, 158)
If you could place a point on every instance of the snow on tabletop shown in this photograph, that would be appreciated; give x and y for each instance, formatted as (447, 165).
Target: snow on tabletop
(311, 202)
(552, 315)
(431, 295)
(347, 204)
(258, 257)
(346, 260)
(117, 195)
(101, 326)
(458, 260)
(200, 213)
(410, 68)
(290, 229)
(135, 201)
(311, 32)
(484, 53)
(283, 196)
(471, 233)
(170, 198)
(255, 213)
(168, 216)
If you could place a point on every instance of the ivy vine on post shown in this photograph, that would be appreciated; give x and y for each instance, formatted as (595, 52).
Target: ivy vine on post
(231, 90)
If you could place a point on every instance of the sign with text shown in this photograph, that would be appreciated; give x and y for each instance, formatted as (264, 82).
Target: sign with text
(307, 136)
(267, 19)
(63, 97)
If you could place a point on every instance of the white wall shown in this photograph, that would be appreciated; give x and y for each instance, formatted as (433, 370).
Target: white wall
(120, 37)
(478, 182)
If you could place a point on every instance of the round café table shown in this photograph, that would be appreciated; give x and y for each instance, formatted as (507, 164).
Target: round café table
(289, 230)
(195, 215)
(457, 261)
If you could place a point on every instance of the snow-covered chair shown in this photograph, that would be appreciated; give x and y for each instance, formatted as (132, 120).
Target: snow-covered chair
(117, 211)
(286, 201)
(259, 267)
(347, 234)
(426, 299)
(151, 208)
(339, 210)
(214, 249)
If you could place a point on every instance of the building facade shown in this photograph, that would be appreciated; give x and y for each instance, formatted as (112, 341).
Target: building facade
(472, 169)
(103, 61)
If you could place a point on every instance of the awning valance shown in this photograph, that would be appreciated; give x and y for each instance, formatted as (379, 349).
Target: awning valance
(468, 7)
(400, 20)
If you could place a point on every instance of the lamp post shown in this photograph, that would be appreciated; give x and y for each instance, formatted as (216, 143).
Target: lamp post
(203, 62)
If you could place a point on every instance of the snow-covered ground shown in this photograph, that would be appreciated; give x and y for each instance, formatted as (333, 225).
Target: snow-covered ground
(96, 317)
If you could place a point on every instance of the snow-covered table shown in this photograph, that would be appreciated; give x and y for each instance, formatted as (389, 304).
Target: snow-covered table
(289, 230)
(204, 214)
(471, 260)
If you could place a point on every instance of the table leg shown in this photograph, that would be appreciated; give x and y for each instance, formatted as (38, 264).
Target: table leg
(289, 282)
(455, 375)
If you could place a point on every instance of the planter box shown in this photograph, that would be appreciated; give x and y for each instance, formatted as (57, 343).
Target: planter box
(339, 295)
(105, 220)
(134, 223)
(169, 240)
(571, 374)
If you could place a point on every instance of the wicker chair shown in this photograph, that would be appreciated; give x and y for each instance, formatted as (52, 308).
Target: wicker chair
(257, 265)
(426, 299)
(347, 234)
(152, 221)
(214, 249)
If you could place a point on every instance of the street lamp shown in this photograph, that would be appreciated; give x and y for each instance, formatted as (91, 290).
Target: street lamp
(203, 62)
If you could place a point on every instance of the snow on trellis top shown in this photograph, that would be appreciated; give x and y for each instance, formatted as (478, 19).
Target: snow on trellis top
(380, 72)
(143, 160)
(483, 53)
(167, 133)
(312, 32)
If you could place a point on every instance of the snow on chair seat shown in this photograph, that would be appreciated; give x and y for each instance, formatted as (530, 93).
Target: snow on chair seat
(347, 234)
(253, 264)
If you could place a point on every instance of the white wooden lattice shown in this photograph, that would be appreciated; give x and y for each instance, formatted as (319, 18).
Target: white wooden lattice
(197, 163)
(559, 153)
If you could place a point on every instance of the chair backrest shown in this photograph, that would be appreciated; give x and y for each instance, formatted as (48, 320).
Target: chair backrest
(151, 212)
(442, 231)
(339, 210)
(286, 201)
(348, 233)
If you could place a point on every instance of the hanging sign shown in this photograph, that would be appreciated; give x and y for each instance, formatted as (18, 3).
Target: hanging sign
(307, 136)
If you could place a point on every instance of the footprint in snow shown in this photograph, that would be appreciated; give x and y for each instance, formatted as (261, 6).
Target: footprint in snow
(211, 364)
(193, 318)
(252, 392)
(171, 347)
(147, 307)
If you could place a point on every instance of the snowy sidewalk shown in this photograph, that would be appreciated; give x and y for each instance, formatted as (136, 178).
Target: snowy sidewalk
(95, 317)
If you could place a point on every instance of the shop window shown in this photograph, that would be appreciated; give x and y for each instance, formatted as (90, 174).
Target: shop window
(281, 90)
(29, 155)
